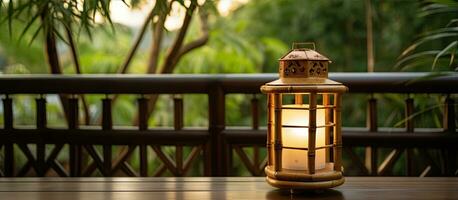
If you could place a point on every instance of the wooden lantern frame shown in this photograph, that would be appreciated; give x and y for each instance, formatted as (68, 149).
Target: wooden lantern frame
(312, 86)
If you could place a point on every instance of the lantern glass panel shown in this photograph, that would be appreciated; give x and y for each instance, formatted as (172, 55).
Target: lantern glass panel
(295, 134)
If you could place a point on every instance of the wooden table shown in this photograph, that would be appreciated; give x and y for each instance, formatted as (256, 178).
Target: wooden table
(219, 188)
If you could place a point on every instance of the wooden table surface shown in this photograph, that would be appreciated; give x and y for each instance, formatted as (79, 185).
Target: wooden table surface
(220, 188)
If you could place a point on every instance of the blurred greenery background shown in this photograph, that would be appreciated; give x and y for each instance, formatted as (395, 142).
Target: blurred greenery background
(243, 36)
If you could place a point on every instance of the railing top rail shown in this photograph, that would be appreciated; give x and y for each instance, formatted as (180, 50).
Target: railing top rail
(415, 82)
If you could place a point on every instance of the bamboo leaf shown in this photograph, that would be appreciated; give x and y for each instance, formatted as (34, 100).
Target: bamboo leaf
(35, 35)
(10, 17)
(453, 21)
(446, 2)
(403, 121)
(29, 24)
(452, 57)
(439, 31)
(436, 8)
(411, 65)
(60, 36)
(426, 39)
(105, 11)
(441, 53)
(414, 56)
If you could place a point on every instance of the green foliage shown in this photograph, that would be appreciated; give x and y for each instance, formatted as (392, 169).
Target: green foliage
(98, 56)
(20, 56)
(337, 27)
(56, 14)
(437, 46)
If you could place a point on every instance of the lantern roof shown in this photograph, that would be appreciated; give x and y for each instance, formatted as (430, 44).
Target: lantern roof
(304, 54)
(303, 70)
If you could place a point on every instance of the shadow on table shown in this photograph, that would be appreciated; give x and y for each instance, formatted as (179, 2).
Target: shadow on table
(324, 194)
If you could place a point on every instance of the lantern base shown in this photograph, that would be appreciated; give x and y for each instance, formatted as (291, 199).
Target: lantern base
(304, 185)
(301, 179)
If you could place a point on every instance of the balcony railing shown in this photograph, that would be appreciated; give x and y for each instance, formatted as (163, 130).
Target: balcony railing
(90, 149)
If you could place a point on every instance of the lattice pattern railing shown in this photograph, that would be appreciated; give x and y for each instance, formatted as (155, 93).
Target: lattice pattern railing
(82, 144)
(90, 150)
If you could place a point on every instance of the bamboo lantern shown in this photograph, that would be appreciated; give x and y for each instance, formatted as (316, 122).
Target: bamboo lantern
(304, 140)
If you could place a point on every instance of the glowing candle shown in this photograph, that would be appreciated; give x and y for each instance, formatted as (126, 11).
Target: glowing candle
(298, 137)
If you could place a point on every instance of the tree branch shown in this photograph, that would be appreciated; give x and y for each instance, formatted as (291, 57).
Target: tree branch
(158, 30)
(176, 51)
(137, 42)
(170, 62)
(202, 40)
(74, 52)
(52, 55)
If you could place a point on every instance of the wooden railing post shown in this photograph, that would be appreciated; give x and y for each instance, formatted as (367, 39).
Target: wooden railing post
(254, 126)
(107, 124)
(142, 126)
(75, 150)
(178, 125)
(409, 109)
(449, 115)
(9, 147)
(41, 124)
(449, 127)
(216, 117)
(371, 152)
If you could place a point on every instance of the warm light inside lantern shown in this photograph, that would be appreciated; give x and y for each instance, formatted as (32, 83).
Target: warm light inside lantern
(294, 117)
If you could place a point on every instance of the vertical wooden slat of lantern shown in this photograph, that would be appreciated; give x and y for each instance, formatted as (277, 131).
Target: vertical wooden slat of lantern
(337, 132)
(178, 125)
(107, 124)
(278, 133)
(270, 129)
(75, 150)
(142, 126)
(371, 152)
(312, 133)
(327, 115)
(255, 126)
(298, 99)
(41, 124)
(410, 129)
(8, 125)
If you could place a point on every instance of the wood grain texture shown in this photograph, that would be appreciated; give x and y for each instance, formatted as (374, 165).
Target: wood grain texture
(220, 188)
